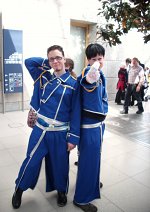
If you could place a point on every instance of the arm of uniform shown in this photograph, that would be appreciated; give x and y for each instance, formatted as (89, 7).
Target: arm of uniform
(104, 91)
(73, 135)
(36, 65)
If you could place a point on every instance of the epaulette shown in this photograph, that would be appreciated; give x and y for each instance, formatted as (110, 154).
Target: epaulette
(73, 77)
(83, 71)
(40, 78)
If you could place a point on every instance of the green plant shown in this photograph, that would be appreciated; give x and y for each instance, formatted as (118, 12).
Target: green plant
(121, 17)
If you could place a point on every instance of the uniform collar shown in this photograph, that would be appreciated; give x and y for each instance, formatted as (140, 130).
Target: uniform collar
(64, 77)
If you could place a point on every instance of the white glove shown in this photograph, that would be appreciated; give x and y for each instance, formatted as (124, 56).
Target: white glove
(93, 74)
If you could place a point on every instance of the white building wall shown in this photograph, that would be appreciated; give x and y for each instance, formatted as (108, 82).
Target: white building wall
(47, 22)
(44, 23)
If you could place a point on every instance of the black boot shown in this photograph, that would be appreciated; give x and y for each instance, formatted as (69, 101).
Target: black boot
(76, 163)
(139, 111)
(61, 199)
(140, 108)
(124, 112)
(16, 199)
(89, 207)
(101, 184)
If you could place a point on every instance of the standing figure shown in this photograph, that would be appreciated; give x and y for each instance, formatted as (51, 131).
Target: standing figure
(128, 64)
(135, 82)
(94, 105)
(121, 84)
(57, 127)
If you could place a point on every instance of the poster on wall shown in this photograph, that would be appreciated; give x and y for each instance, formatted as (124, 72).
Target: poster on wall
(12, 61)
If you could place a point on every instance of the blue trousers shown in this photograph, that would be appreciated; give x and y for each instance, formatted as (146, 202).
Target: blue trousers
(88, 176)
(53, 146)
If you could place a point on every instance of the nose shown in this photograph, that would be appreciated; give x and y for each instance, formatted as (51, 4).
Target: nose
(55, 60)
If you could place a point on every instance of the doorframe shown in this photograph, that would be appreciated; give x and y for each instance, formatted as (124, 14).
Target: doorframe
(86, 28)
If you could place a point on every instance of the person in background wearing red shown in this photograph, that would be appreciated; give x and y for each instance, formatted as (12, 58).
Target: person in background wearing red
(121, 84)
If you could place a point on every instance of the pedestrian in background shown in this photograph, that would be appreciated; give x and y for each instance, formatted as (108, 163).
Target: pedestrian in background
(121, 84)
(135, 82)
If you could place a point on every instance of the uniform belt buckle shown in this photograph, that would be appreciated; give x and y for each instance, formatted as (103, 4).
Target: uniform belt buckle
(51, 126)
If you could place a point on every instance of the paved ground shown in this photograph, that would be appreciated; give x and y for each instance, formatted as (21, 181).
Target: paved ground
(125, 170)
(132, 126)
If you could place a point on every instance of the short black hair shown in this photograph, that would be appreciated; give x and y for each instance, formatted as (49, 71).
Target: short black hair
(93, 50)
(128, 60)
(56, 47)
(141, 64)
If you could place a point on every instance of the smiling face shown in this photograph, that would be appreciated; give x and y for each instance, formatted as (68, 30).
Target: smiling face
(56, 60)
(95, 52)
(99, 58)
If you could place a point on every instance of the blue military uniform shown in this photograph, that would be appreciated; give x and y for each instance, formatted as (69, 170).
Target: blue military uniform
(94, 110)
(55, 100)
(39, 70)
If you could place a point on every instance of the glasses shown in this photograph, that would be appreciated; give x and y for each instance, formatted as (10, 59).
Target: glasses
(58, 58)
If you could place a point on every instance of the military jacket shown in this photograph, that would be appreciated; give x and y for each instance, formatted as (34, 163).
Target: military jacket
(54, 97)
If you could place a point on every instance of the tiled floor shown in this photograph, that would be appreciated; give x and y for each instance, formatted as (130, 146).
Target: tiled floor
(125, 170)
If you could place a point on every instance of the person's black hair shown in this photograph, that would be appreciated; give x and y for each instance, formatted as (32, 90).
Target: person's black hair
(56, 47)
(93, 50)
(141, 64)
(128, 60)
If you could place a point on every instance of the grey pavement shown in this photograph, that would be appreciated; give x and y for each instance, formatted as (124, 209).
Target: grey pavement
(125, 166)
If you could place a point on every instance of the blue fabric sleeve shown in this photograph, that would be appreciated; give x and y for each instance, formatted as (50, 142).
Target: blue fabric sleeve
(36, 65)
(83, 81)
(73, 135)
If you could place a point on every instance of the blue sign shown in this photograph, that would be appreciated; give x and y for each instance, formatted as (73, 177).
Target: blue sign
(12, 62)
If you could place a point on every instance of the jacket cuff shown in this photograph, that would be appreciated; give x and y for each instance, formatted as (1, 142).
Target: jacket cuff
(73, 139)
(87, 85)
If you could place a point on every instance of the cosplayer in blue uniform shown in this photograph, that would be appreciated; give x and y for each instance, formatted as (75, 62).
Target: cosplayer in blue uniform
(94, 110)
(57, 127)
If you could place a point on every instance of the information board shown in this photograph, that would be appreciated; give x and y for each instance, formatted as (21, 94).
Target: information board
(12, 61)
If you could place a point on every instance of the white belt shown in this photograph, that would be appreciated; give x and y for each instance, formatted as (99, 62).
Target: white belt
(52, 127)
(91, 125)
(50, 121)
